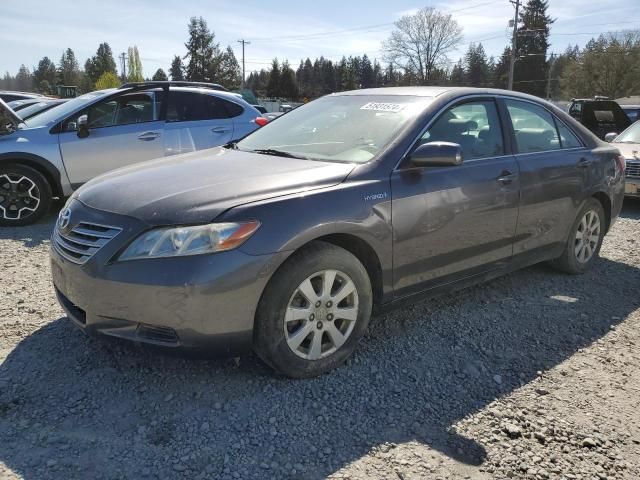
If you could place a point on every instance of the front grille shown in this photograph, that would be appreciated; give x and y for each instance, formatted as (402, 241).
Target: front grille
(82, 242)
(633, 169)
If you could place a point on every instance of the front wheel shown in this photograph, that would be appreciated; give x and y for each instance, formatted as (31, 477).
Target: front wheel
(313, 312)
(584, 241)
(25, 195)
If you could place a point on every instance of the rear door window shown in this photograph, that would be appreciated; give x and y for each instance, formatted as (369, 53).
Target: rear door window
(567, 137)
(187, 107)
(192, 106)
(534, 127)
(219, 108)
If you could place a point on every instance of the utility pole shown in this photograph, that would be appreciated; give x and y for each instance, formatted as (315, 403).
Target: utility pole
(243, 42)
(551, 59)
(123, 65)
(514, 43)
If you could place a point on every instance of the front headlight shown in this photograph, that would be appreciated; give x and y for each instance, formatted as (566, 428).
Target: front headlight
(195, 240)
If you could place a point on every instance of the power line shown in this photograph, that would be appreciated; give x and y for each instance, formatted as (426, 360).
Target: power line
(324, 34)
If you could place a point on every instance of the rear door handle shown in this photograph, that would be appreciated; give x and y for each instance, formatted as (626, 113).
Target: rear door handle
(506, 177)
(148, 136)
(583, 163)
(219, 130)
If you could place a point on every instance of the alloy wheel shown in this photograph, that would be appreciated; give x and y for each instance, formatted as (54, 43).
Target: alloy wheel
(321, 314)
(587, 236)
(19, 196)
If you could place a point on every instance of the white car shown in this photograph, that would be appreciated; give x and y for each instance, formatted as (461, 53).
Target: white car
(55, 152)
(628, 142)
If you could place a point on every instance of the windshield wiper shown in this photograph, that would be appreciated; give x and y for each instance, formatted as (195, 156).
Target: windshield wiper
(277, 153)
(231, 145)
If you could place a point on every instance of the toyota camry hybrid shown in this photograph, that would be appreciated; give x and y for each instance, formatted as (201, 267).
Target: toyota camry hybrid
(288, 240)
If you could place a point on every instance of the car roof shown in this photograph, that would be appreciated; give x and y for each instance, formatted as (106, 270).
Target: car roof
(436, 91)
(208, 91)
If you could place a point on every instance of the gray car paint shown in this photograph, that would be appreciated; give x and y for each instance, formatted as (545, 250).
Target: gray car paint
(386, 211)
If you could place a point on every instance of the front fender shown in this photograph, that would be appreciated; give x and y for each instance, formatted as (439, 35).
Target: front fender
(358, 209)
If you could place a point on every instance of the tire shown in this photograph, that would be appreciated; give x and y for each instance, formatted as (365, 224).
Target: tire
(25, 195)
(570, 261)
(338, 337)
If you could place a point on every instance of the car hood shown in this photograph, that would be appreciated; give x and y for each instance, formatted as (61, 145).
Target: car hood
(199, 186)
(630, 151)
(9, 120)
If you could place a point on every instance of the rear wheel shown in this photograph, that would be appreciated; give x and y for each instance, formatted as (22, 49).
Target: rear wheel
(25, 195)
(313, 312)
(584, 241)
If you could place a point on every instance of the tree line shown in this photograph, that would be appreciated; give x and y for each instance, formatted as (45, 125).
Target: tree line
(607, 65)
(204, 61)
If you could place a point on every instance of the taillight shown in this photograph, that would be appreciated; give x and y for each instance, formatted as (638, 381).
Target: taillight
(261, 121)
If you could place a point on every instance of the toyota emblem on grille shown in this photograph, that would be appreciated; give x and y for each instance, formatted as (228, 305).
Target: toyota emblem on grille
(65, 219)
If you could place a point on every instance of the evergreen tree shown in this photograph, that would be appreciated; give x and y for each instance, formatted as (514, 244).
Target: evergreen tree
(476, 68)
(159, 76)
(102, 62)
(177, 69)
(367, 76)
(202, 52)
(458, 77)
(46, 72)
(288, 86)
(68, 70)
(533, 42)
(273, 86)
(24, 80)
(501, 70)
(229, 72)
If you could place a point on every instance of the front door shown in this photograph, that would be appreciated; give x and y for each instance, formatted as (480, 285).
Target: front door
(452, 222)
(122, 131)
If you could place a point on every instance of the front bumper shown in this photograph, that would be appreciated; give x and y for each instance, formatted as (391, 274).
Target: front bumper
(203, 302)
(632, 187)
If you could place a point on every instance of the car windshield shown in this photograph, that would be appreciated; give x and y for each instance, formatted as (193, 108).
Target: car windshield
(630, 135)
(61, 111)
(340, 128)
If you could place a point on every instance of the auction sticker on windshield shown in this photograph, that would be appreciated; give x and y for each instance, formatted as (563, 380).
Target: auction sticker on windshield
(383, 107)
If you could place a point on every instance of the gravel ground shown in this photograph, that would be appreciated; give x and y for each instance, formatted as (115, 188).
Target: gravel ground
(533, 375)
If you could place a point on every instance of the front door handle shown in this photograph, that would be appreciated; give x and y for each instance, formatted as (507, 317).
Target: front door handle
(583, 163)
(506, 177)
(148, 136)
(219, 130)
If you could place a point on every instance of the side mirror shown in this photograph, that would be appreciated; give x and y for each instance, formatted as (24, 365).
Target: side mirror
(610, 137)
(437, 154)
(83, 126)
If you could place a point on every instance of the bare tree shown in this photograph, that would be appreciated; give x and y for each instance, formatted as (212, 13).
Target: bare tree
(420, 42)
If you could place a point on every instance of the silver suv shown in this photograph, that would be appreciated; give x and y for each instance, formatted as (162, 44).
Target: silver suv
(53, 153)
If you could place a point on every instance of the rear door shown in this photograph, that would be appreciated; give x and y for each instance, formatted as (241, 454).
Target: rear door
(454, 222)
(196, 121)
(123, 130)
(555, 169)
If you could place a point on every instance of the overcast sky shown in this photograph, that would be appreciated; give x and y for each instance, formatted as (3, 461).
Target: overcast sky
(31, 29)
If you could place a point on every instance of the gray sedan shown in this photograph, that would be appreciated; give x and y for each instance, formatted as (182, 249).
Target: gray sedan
(288, 240)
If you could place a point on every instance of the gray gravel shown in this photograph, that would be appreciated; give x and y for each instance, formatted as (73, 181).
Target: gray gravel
(533, 375)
